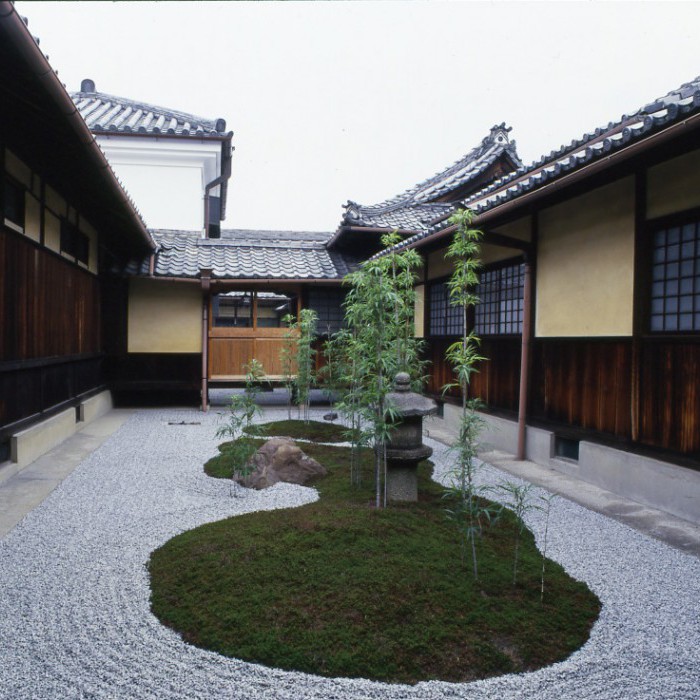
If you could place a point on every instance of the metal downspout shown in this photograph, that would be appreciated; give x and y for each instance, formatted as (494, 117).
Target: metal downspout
(225, 175)
(524, 359)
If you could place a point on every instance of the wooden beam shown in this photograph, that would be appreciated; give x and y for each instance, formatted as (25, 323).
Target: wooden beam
(508, 242)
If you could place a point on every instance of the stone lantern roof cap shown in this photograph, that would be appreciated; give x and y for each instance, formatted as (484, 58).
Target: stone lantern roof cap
(408, 403)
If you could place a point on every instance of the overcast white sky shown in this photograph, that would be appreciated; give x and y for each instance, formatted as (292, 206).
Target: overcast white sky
(332, 101)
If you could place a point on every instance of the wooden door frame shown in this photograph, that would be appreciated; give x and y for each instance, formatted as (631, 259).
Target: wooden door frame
(255, 335)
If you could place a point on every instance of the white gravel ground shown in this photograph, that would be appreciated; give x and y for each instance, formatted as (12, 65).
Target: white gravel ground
(74, 594)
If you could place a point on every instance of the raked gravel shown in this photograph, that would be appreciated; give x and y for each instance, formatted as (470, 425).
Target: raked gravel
(74, 591)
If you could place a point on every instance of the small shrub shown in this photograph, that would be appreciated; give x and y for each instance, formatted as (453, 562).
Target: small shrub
(242, 412)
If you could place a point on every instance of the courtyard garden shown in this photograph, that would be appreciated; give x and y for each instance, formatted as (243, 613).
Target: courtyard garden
(448, 585)
(341, 588)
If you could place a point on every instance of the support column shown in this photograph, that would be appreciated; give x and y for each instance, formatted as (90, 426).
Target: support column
(205, 275)
(640, 312)
(524, 359)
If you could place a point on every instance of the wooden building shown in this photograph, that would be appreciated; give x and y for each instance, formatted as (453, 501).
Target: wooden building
(203, 308)
(590, 313)
(175, 333)
(66, 222)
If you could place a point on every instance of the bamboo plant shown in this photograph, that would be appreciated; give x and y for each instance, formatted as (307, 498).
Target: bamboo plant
(378, 344)
(240, 427)
(470, 511)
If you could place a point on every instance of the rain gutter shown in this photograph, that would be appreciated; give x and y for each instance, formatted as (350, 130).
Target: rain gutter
(248, 281)
(524, 359)
(205, 280)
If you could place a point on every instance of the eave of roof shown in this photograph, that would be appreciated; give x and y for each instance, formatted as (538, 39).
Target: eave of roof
(594, 152)
(100, 191)
(105, 113)
(242, 254)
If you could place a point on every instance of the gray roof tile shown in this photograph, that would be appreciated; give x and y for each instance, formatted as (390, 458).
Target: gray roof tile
(416, 208)
(110, 114)
(628, 130)
(245, 254)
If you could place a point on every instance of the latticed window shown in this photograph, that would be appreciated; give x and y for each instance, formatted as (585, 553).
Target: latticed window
(327, 302)
(500, 311)
(675, 286)
(247, 309)
(445, 319)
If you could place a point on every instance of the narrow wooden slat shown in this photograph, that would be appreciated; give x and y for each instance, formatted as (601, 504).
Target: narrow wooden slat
(48, 306)
(583, 383)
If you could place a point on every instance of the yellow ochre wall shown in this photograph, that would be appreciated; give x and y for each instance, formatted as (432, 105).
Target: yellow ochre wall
(520, 229)
(164, 316)
(674, 185)
(438, 266)
(419, 311)
(585, 264)
(32, 217)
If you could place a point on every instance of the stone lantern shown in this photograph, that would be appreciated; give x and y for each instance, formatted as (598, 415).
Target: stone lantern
(405, 446)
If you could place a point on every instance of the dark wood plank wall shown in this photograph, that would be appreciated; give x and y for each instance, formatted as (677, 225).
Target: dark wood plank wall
(497, 381)
(587, 385)
(140, 371)
(49, 330)
(670, 395)
(48, 306)
(584, 383)
(439, 371)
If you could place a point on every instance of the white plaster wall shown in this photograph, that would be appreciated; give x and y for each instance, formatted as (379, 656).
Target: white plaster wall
(165, 177)
(167, 197)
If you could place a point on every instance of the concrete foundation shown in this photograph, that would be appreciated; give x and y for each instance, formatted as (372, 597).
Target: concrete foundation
(29, 487)
(651, 482)
(33, 442)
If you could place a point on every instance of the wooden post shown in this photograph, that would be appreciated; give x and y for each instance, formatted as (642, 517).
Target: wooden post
(205, 275)
(524, 360)
(640, 312)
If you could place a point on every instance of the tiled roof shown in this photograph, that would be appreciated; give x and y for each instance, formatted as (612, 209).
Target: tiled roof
(402, 216)
(416, 208)
(110, 114)
(245, 254)
(676, 106)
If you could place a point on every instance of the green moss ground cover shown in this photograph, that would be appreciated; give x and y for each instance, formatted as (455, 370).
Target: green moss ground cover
(313, 430)
(338, 588)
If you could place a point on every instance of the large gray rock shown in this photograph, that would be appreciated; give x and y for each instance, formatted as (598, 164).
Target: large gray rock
(280, 459)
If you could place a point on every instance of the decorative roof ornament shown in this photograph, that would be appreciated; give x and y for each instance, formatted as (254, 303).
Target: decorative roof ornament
(352, 211)
(498, 135)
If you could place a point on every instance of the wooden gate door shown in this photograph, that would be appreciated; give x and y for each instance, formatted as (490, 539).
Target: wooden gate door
(246, 325)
